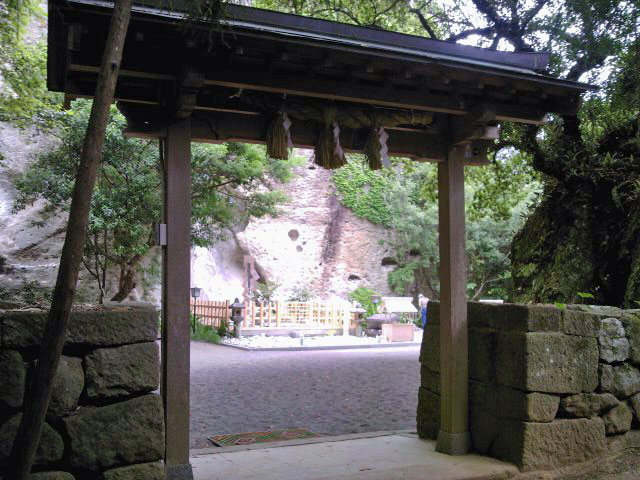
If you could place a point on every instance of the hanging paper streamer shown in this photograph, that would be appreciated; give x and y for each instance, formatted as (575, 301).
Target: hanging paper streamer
(383, 136)
(336, 139)
(376, 148)
(286, 123)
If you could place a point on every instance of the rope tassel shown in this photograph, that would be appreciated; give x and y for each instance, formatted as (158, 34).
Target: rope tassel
(279, 137)
(328, 152)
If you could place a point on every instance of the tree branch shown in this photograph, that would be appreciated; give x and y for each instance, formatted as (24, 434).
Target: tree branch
(483, 32)
(530, 15)
(584, 64)
(424, 22)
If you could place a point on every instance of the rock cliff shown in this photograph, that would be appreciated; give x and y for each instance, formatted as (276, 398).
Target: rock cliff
(316, 244)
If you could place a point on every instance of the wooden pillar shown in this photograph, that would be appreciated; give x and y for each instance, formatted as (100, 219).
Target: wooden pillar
(453, 437)
(175, 299)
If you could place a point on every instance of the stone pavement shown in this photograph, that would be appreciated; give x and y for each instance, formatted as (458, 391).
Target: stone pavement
(327, 392)
(389, 457)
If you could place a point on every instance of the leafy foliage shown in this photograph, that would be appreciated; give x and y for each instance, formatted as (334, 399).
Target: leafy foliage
(265, 291)
(364, 296)
(24, 98)
(301, 294)
(231, 183)
(363, 190)
(202, 332)
(397, 15)
(405, 200)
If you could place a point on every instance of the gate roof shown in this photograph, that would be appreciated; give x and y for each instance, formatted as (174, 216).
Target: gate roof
(230, 75)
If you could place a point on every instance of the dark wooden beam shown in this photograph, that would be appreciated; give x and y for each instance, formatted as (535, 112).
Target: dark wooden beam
(453, 437)
(189, 84)
(479, 124)
(310, 85)
(313, 86)
(223, 126)
(219, 127)
(175, 298)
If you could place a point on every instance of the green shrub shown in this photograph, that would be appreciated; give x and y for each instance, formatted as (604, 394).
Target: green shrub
(203, 333)
(363, 296)
(222, 330)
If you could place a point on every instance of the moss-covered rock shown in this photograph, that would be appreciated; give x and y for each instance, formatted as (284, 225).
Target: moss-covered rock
(618, 419)
(631, 322)
(547, 362)
(553, 260)
(583, 237)
(12, 379)
(428, 414)
(50, 448)
(120, 434)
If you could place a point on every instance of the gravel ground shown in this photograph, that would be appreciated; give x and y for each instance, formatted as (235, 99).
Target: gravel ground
(330, 392)
(624, 466)
(263, 341)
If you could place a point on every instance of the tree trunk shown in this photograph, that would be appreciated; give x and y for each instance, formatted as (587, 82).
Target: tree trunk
(126, 282)
(584, 235)
(37, 402)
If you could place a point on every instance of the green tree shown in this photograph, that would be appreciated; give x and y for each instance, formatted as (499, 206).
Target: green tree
(364, 296)
(231, 183)
(24, 99)
(584, 233)
(405, 201)
(125, 203)
(408, 16)
(265, 291)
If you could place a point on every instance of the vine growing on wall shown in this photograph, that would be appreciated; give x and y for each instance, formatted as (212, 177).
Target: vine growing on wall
(404, 199)
(363, 191)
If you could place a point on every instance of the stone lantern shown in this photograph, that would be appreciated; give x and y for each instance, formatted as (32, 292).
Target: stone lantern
(237, 315)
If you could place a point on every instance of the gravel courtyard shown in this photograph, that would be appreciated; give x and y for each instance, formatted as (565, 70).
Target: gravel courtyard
(330, 392)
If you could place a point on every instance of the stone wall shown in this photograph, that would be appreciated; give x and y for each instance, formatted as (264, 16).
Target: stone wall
(547, 387)
(104, 421)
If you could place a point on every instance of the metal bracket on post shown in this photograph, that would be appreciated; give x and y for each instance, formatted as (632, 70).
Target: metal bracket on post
(161, 234)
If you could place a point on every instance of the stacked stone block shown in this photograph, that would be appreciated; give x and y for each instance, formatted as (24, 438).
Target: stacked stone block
(548, 387)
(104, 421)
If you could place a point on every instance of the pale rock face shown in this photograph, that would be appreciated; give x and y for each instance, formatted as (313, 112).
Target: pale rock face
(317, 243)
(31, 251)
(218, 271)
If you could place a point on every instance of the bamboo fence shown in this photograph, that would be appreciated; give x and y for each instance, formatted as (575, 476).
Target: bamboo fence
(266, 315)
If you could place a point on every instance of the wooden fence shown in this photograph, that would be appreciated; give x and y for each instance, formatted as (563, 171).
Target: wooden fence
(259, 315)
(211, 312)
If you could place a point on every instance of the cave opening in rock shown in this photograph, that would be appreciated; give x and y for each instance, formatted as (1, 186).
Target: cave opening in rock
(294, 234)
(389, 262)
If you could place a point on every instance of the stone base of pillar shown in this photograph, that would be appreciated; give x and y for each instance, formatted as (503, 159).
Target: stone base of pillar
(453, 443)
(178, 472)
